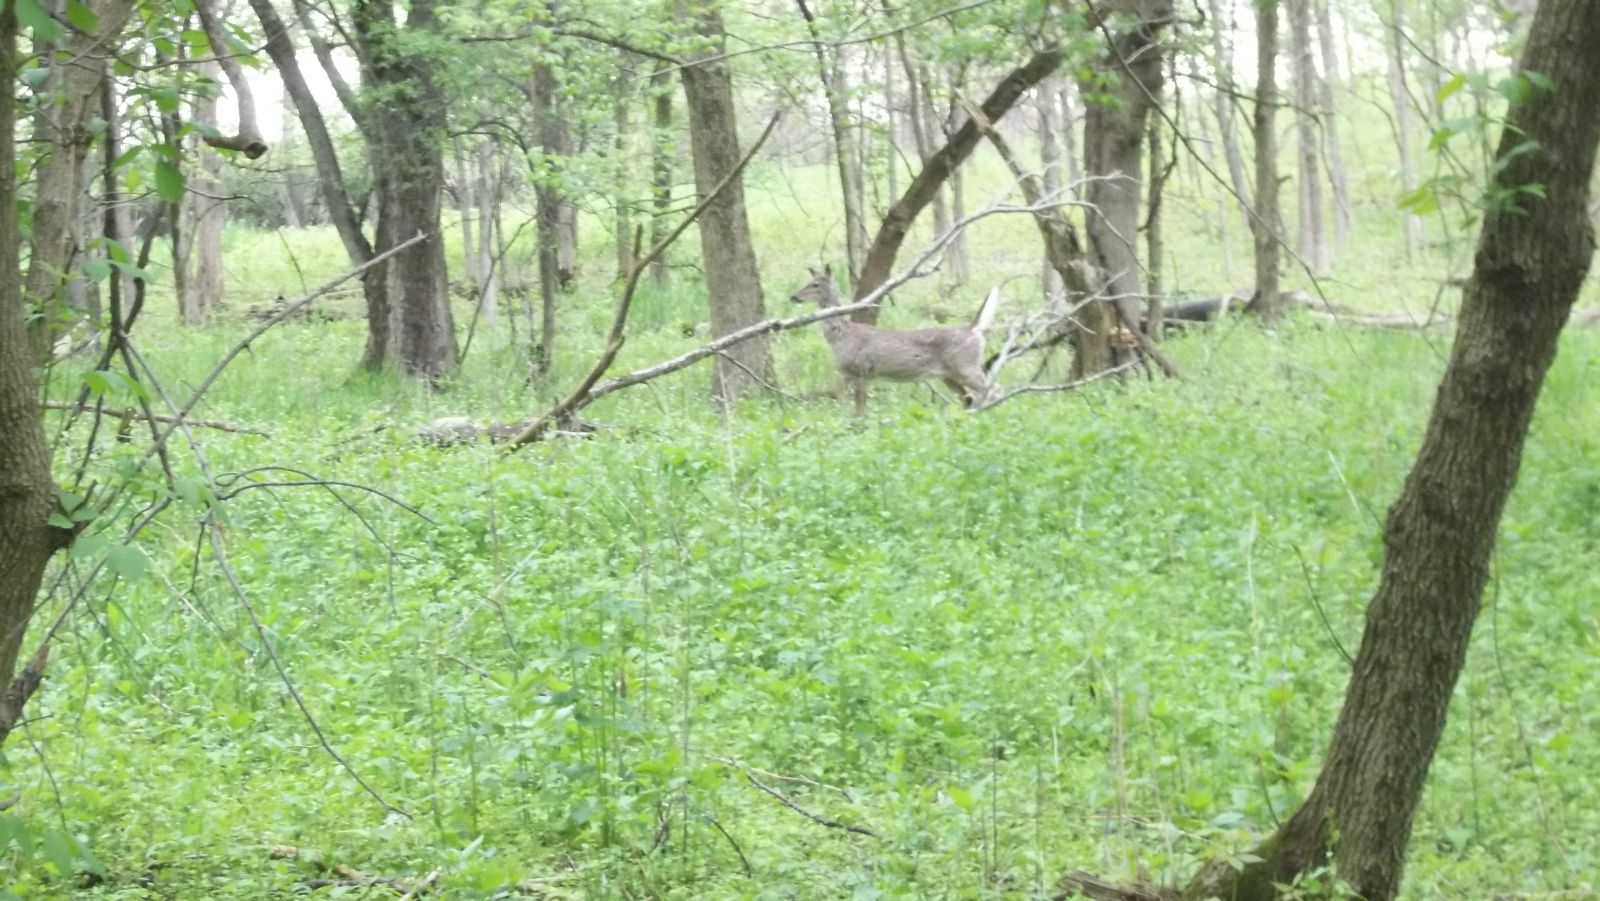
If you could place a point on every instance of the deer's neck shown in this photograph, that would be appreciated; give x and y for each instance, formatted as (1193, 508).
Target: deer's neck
(833, 329)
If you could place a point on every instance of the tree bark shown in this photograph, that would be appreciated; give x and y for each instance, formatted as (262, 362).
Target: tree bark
(831, 74)
(1222, 105)
(1113, 139)
(405, 140)
(897, 222)
(1265, 223)
(1069, 132)
(958, 267)
(1044, 101)
(1155, 245)
(488, 197)
(1401, 97)
(1344, 223)
(248, 139)
(547, 211)
(622, 205)
(661, 154)
(64, 128)
(1313, 234)
(202, 263)
(1440, 533)
(27, 492)
(464, 205)
(733, 279)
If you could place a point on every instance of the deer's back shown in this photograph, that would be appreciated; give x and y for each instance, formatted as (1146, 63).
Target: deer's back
(864, 351)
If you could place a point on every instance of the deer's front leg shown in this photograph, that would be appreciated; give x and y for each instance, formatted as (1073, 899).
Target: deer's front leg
(860, 386)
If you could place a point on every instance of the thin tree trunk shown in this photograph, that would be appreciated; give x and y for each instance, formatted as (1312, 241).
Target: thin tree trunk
(1222, 104)
(661, 153)
(1044, 101)
(464, 206)
(1265, 224)
(958, 268)
(1069, 133)
(330, 180)
(1313, 235)
(922, 117)
(1440, 533)
(1401, 97)
(1202, 184)
(547, 213)
(488, 196)
(891, 125)
(1344, 222)
(622, 220)
(831, 73)
(1155, 245)
(202, 287)
(733, 279)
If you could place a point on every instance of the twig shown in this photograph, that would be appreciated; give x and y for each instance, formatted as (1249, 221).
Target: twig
(814, 817)
(218, 424)
(1068, 386)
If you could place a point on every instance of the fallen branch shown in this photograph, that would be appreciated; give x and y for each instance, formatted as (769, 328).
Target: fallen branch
(1081, 884)
(814, 817)
(577, 402)
(218, 424)
(581, 396)
(21, 689)
(1067, 386)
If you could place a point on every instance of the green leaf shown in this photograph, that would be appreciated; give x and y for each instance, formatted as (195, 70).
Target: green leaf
(95, 268)
(1451, 87)
(57, 848)
(33, 16)
(82, 17)
(128, 562)
(1540, 80)
(169, 182)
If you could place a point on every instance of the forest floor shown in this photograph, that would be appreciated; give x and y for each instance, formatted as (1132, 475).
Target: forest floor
(1103, 630)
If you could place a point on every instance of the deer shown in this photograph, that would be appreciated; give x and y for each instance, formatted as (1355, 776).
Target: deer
(863, 352)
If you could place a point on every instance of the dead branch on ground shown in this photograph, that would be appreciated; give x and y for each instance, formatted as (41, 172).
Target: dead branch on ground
(814, 817)
(218, 424)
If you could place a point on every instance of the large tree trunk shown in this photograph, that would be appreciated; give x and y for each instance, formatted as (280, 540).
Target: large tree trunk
(1440, 532)
(330, 180)
(405, 140)
(897, 222)
(1344, 222)
(1222, 105)
(1313, 234)
(1264, 221)
(27, 493)
(732, 277)
(64, 128)
(831, 74)
(1113, 139)
(1401, 98)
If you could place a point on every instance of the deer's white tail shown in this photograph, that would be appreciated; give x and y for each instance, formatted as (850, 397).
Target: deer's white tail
(985, 317)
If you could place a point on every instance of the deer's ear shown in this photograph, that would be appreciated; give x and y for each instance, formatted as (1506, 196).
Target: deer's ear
(813, 271)
(827, 269)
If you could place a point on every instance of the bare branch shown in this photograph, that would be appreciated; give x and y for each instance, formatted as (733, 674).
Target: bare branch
(249, 139)
(814, 817)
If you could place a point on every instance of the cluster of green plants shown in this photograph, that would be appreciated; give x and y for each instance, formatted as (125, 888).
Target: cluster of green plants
(1104, 630)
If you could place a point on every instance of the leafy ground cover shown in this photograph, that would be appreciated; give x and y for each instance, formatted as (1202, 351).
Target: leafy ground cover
(1103, 630)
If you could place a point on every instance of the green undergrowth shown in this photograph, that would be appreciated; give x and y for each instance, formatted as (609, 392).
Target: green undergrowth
(1097, 631)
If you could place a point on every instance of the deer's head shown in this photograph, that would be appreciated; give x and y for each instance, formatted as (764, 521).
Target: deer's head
(819, 290)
